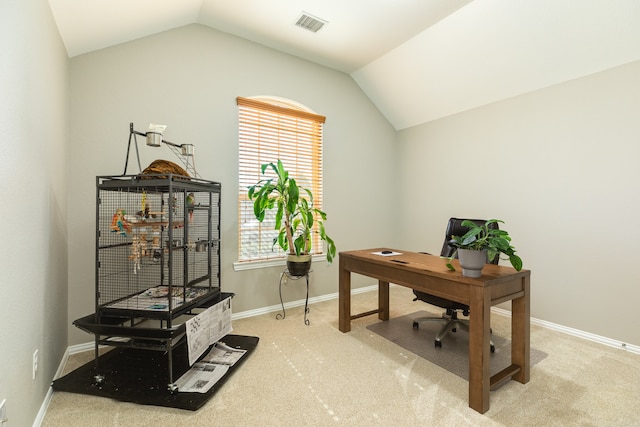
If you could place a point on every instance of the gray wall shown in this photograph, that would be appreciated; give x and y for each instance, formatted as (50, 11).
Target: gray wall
(34, 90)
(188, 79)
(560, 167)
(560, 164)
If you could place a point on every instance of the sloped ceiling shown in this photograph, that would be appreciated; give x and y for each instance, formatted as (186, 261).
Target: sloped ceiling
(492, 50)
(418, 60)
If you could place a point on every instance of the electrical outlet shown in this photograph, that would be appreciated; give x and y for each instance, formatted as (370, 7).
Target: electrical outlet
(3, 411)
(35, 363)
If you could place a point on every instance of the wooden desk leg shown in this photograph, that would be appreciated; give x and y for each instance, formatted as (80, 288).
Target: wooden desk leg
(520, 333)
(344, 298)
(383, 300)
(479, 336)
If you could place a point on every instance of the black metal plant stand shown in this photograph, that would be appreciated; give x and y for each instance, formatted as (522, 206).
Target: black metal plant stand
(288, 275)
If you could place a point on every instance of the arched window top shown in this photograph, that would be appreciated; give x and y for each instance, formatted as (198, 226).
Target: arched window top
(280, 106)
(282, 102)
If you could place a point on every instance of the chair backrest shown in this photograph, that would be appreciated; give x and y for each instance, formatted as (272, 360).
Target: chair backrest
(455, 228)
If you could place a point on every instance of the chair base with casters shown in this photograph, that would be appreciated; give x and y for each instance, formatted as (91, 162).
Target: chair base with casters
(451, 325)
(454, 228)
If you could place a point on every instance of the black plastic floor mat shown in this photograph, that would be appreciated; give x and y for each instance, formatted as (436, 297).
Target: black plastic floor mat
(141, 376)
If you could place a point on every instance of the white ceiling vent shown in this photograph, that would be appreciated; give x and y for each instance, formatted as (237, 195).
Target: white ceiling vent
(310, 22)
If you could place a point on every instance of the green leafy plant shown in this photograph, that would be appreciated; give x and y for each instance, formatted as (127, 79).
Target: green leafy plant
(481, 237)
(295, 212)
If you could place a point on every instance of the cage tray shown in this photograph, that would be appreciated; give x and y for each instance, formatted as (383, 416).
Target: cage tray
(108, 324)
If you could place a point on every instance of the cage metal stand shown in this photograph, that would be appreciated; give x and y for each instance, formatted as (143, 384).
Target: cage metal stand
(286, 274)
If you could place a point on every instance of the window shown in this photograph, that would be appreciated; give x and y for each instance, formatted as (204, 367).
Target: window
(272, 129)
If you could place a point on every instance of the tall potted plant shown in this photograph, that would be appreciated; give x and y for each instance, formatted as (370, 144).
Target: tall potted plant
(480, 244)
(295, 216)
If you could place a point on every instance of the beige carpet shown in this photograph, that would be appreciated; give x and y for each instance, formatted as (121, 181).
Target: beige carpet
(454, 353)
(317, 376)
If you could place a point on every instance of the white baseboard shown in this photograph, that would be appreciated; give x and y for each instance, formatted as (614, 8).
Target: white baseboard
(298, 303)
(270, 309)
(549, 325)
(273, 308)
(576, 332)
(47, 397)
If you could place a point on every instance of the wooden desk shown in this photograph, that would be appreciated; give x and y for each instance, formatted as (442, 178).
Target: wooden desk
(428, 273)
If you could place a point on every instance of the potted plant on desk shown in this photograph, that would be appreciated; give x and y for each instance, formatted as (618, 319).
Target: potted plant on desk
(482, 243)
(295, 217)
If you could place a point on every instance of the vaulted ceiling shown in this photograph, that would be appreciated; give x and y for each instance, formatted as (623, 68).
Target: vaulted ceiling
(418, 60)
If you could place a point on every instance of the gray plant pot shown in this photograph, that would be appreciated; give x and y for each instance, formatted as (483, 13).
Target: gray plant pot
(472, 262)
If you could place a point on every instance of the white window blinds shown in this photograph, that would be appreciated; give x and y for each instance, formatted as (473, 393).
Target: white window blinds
(268, 132)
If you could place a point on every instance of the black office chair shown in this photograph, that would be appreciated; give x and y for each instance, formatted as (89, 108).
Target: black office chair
(450, 317)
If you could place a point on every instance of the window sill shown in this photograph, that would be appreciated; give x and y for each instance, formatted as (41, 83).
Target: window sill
(278, 262)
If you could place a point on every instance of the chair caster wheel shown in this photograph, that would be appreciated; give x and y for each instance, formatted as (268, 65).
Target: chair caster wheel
(416, 325)
(437, 343)
(493, 348)
(453, 330)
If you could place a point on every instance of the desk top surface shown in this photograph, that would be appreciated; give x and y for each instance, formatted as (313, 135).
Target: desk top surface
(432, 265)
